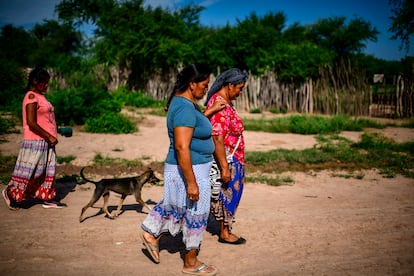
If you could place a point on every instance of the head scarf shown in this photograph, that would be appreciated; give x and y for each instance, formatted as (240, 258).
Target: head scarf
(233, 76)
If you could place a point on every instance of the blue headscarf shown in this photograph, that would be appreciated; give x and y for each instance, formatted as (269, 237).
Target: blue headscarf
(233, 76)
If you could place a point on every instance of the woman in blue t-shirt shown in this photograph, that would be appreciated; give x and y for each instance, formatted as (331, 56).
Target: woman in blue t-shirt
(185, 205)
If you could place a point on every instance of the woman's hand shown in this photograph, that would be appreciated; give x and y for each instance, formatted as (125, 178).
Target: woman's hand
(192, 192)
(217, 106)
(225, 174)
(220, 156)
(52, 140)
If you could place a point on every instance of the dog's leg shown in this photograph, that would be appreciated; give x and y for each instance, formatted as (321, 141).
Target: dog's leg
(138, 197)
(84, 209)
(95, 197)
(143, 204)
(105, 206)
(121, 202)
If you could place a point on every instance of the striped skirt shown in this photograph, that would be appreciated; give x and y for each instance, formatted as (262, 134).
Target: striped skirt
(34, 172)
(176, 213)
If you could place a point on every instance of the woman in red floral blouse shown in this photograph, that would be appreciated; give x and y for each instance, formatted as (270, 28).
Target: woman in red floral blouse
(228, 137)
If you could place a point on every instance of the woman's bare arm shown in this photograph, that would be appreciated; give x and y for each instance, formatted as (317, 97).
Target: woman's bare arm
(182, 141)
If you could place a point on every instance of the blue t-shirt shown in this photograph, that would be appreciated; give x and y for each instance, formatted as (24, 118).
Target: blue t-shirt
(182, 112)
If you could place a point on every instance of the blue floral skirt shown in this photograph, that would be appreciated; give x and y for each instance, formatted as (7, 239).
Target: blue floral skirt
(224, 209)
(176, 213)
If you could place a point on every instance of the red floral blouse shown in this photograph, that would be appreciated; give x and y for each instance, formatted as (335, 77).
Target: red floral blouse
(227, 123)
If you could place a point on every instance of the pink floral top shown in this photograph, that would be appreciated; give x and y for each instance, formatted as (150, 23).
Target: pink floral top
(227, 123)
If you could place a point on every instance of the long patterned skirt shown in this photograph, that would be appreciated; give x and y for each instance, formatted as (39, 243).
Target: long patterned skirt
(224, 209)
(34, 172)
(176, 213)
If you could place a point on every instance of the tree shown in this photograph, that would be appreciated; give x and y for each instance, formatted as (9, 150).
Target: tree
(17, 45)
(335, 34)
(16, 49)
(253, 38)
(402, 21)
(57, 44)
(295, 33)
(142, 41)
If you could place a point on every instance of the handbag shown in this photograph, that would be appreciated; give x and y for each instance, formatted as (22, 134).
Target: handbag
(215, 175)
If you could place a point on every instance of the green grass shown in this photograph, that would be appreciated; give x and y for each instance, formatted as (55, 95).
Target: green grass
(355, 175)
(158, 111)
(305, 124)
(272, 181)
(65, 159)
(102, 161)
(409, 123)
(332, 152)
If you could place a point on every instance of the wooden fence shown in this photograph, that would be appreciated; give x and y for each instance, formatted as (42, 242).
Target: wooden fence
(397, 103)
(337, 91)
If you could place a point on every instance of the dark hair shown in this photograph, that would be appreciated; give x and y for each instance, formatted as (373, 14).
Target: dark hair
(195, 72)
(39, 74)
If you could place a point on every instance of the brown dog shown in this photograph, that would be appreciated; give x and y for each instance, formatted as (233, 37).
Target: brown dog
(123, 186)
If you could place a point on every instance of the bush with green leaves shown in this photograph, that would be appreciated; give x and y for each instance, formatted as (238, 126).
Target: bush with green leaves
(110, 123)
(308, 124)
(69, 107)
(135, 98)
(255, 111)
(75, 106)
(12, 87)
(97, 108)
(5, 125)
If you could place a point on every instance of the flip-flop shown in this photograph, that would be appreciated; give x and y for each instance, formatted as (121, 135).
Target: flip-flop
(151, 248)
(199, 270)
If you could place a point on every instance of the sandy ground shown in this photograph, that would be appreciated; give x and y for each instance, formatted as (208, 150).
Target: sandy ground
(319, 225)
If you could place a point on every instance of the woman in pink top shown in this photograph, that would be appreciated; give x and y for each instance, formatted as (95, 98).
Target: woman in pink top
(228, 138)
(34, 173)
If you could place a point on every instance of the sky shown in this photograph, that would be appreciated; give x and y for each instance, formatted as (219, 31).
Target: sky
(26, 13)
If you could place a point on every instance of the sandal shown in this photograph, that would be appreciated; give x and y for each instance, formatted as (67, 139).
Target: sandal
(240, 240)
(199, 270)
(151, 248)
(11, 204)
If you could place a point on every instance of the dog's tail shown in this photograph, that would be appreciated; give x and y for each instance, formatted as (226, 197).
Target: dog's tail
(84, 178)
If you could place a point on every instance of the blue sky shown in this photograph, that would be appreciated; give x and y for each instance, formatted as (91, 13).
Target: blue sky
(219, 12)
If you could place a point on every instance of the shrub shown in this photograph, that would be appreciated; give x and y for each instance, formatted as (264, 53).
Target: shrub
(75, 106)
(136, 99)
(255, 111)
(6, 125)
(110, 123)
(308, 125)
(69, 107)
(65, 159)
(13, 86)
